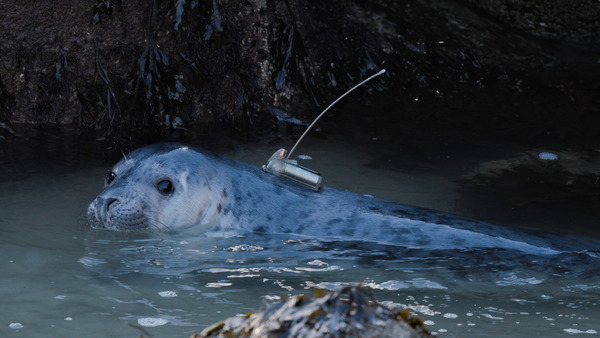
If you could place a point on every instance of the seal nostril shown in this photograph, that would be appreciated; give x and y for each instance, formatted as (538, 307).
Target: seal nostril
(109, 202)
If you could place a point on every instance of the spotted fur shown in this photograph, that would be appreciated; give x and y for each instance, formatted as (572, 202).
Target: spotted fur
(225, 197)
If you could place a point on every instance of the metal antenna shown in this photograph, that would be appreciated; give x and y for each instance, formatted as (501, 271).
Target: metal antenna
(331, 105)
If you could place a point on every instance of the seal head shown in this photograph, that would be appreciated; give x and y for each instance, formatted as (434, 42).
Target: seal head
(157, 187)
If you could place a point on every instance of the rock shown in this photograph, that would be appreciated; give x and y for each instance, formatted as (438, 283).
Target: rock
(348, 312)
(540, 174)
(463, 67)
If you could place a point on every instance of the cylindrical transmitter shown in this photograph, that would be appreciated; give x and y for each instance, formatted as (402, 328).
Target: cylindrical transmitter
(279, 166)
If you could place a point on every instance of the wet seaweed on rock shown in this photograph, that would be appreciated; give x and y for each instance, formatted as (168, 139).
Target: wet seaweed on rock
(111, 110)
(103, 7)
(157, 93)
(159, 88)
(55, 89)
(188, 12)
(349, 312)
(150, 86)
(7, 101)
(180, 9)
(148, 103)
(452, 68)
(292, 62)
(215, 23)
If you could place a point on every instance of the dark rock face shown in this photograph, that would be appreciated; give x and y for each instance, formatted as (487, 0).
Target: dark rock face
(51, 54)
(573, 22)
(559, 187)
(458, 68)
(163, 64)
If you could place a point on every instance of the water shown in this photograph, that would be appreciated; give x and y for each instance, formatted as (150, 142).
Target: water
(60, 278)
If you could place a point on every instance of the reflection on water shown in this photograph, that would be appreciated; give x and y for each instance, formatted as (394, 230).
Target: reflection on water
(61, 278)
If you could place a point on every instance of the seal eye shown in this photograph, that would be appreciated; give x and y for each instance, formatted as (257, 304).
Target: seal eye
(165, 187)
(110, 177)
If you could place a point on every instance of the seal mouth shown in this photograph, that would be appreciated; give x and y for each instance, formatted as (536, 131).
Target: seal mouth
(97, 225)
(116, 218)
(92, 218)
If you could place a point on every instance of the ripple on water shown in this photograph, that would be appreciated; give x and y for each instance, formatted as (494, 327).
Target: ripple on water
(577, 331)
(327, 268)
(90, 261)
(581, 287)
(391, 285)
(317, 262)
(218, 284)
(513, 280)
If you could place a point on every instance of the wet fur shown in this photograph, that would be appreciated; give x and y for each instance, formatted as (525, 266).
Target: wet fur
(225, 197)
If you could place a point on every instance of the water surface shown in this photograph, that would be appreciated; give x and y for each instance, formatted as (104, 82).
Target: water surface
(61, 278)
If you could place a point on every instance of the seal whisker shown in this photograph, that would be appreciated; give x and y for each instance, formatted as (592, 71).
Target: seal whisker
(122, 152)
(160, 225)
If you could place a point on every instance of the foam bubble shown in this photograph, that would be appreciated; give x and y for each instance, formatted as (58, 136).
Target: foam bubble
(245, 247)
(152, 322)
(167, 294)
(15, 325)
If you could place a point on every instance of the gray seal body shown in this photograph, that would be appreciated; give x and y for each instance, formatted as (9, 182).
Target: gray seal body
(170, 186)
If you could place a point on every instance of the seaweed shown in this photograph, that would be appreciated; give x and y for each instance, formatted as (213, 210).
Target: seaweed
(7, 102)
(351, 311)
(52, 98)
(215, 23)
(180, 9)
(157, 88)
(111, 110)
(222, 81)
(147, 102)
(291, 59)
(103, 7)
(188, 12)
(153, 97)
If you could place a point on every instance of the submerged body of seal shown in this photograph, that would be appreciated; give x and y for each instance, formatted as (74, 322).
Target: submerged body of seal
(172, 186)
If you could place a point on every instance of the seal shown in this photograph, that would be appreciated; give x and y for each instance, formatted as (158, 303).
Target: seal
(169, 187)
(164, 186)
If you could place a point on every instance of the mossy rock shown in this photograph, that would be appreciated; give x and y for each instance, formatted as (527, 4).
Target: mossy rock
(348, 312)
